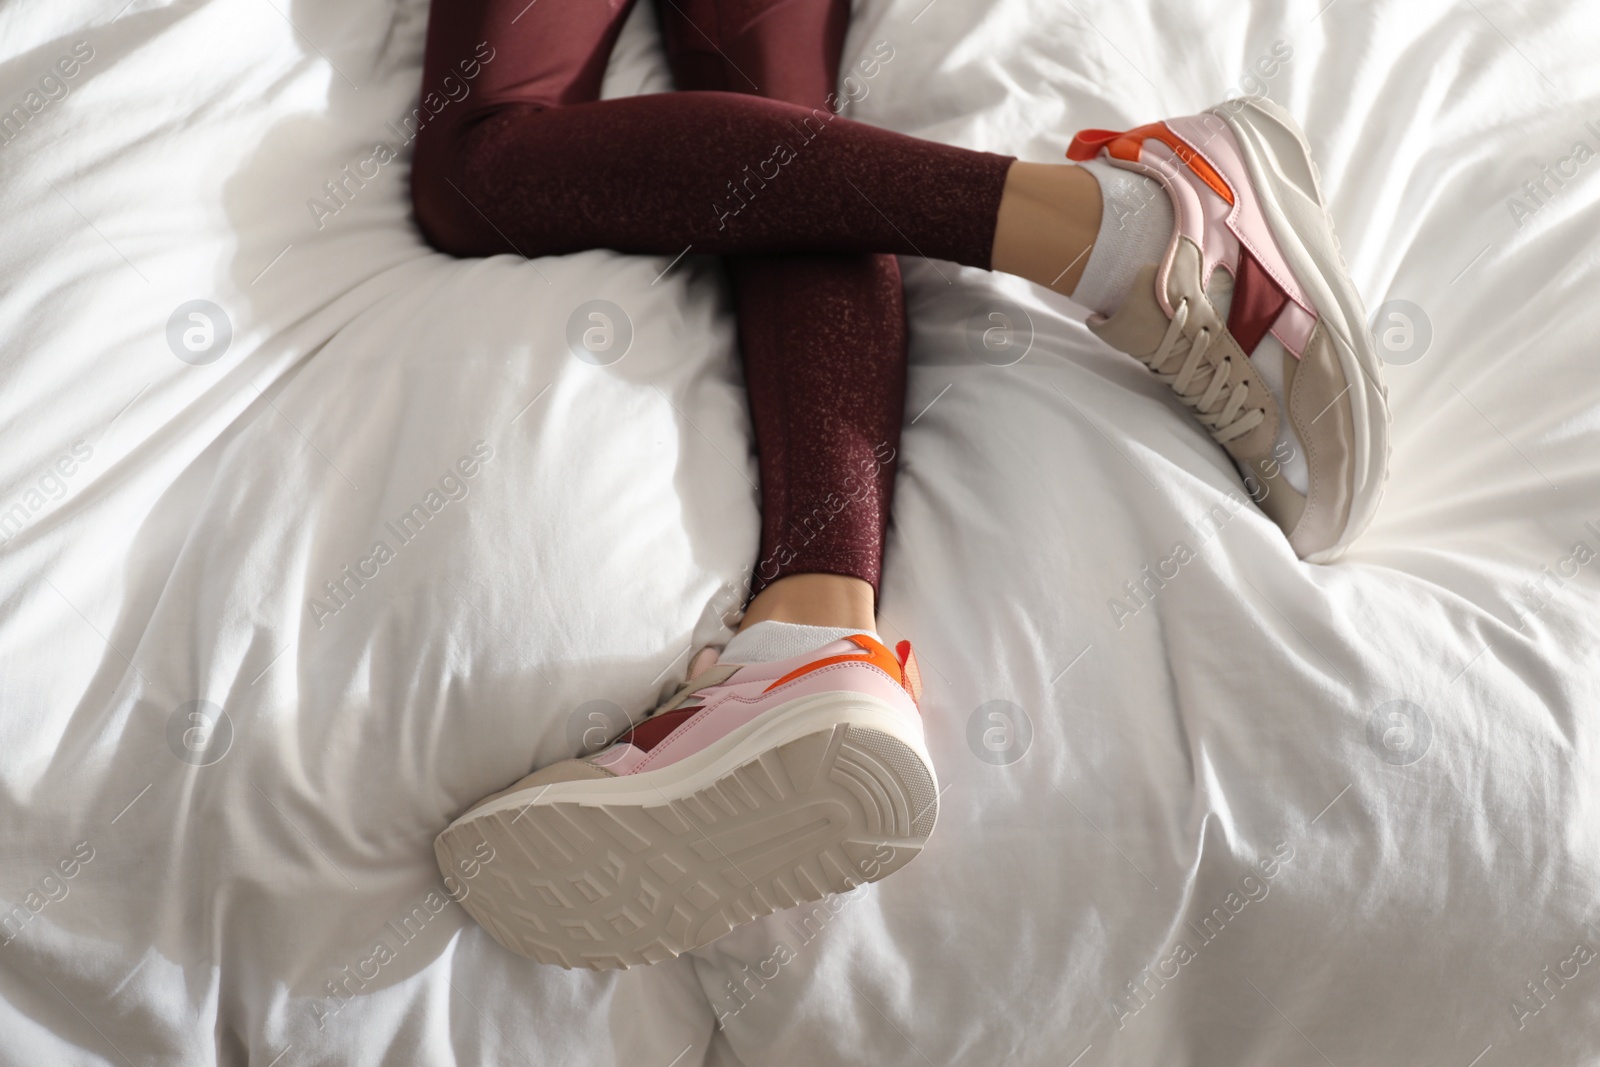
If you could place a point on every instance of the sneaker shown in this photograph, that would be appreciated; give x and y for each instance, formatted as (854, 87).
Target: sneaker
(751, 789)
(1252, 319)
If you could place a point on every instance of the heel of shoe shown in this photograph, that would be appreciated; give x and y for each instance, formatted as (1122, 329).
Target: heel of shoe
(1281, 143)
(899, 794)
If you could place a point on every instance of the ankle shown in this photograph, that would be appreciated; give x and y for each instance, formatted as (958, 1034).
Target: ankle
(834, 600)
(1046, 226)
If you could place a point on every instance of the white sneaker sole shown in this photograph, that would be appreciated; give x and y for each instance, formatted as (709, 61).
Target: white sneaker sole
(1286, 183)
(811, 798)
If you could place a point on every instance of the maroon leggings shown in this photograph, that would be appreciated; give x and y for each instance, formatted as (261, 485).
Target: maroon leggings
(515, 153)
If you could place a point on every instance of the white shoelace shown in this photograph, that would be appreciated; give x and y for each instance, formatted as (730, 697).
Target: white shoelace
(1221, 415)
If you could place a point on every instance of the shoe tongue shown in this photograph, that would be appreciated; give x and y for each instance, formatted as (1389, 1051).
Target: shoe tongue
(1267, 359)
(1139, 325)
(702, 660)
(1219, 290)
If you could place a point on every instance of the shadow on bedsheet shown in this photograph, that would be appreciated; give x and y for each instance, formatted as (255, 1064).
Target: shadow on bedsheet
(311, 230)
(33, 82)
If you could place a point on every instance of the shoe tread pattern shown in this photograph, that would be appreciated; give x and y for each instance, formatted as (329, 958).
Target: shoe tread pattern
(613, 886)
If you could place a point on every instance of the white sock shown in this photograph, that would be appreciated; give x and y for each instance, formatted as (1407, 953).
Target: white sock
(767, 641)
(1135, 228)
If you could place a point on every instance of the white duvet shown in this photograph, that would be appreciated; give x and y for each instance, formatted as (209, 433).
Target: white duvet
(289, 576)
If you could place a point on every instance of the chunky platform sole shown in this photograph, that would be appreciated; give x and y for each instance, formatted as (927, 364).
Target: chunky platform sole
(612, 873)
(1290, 193)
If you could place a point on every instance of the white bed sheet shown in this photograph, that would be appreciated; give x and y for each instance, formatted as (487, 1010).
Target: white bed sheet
(231, 912)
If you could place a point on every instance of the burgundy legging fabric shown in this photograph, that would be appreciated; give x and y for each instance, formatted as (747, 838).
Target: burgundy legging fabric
(515, 153)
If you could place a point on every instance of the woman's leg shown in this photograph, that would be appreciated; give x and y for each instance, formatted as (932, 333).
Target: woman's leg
(823, 336)
(482, 57)
(515, 154)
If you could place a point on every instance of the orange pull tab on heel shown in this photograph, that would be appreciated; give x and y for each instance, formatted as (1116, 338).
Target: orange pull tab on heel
(910, 673)
(1087, 143)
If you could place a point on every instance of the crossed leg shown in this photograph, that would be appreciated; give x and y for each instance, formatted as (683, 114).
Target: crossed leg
(750, 161)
